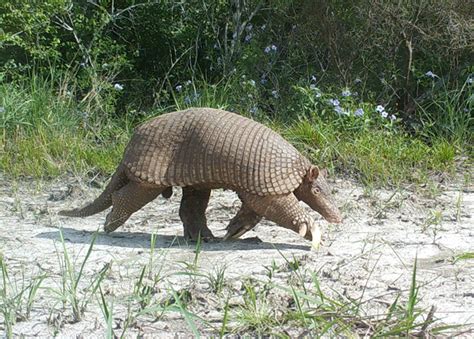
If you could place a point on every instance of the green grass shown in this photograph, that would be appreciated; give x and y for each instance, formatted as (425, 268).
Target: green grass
(46, 132)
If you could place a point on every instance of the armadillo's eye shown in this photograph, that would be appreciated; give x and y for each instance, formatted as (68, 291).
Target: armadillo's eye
(316, 190)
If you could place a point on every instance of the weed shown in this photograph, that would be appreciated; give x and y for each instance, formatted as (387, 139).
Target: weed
(433, 223)
(256, 314)
(107, 312)
(463, 256)
(16, 300)
(69, 293)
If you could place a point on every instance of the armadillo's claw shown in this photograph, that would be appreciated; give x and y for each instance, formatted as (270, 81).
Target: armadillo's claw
(316, 235)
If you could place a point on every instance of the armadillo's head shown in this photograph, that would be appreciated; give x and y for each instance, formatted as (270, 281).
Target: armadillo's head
(315, 191)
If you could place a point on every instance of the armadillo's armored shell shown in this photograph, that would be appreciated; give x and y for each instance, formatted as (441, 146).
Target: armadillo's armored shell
(214, 148)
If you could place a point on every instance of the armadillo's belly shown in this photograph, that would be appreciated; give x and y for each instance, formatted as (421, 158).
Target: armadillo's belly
(213, 148)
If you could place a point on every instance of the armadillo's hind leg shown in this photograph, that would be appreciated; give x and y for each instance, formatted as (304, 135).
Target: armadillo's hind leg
(127, 201)
(192, 212)
(244, 221)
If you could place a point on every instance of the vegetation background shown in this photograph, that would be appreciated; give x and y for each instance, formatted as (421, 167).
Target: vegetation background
(382, 90)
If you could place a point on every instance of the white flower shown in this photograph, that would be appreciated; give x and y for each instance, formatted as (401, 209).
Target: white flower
(470, 80)
(270, 48)
(249, 27)
(263, 80)
(253, 109)
(187, 100)
(188, 82)
(248, 37)
(346, 93)
(275, 94)
(263, 27)
(431, 75)
(380, 109)
(317, 94)
(252, 82)
(393, 117)
(334, 102)
(2, 109)
(359, 112)
(312, 86)
(313, 78)
(384, 114)
(179, 88)
(357, 81)
(118, 87)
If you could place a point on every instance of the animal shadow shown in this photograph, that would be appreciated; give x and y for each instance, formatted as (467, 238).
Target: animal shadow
(143, 240)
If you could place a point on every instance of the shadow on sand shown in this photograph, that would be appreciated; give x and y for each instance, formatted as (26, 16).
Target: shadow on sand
(143, 240)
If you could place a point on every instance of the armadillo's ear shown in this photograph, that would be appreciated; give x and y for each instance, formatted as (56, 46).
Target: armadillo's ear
(313, 173)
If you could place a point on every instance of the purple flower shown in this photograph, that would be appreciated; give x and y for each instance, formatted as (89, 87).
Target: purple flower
(253, 109)
(275, 94)
(346, 93)
(267, 49)
(359, 112)
(179, 88)
(248, 37)
(249, 27)
(334, 102)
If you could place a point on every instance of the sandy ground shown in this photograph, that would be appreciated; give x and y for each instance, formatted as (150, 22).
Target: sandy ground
(368, 258)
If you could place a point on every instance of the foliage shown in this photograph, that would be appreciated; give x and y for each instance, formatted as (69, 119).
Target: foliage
(81, 73)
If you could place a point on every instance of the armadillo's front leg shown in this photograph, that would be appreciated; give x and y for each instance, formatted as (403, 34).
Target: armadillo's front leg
(127, 201)
(244, 221)
(192, 212)
(285, 211)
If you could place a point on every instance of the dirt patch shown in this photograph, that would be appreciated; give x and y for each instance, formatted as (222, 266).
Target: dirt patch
(369, 258)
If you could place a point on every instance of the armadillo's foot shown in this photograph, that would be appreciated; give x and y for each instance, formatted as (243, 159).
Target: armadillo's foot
(194, 234)
(192, 212)
(127, 201)
(244, 221)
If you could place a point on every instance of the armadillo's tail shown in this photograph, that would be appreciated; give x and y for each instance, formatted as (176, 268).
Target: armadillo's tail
(103, 201)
